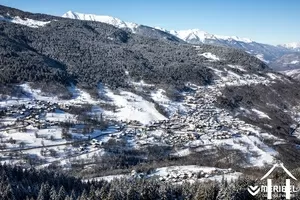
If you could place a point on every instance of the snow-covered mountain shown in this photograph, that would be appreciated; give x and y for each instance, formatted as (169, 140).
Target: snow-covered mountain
(102, 18)
(294, 73)
(288, 61)
(27, 22)
(265, 52)
(293, 46)
(129, 26)
(199, 36)
(193, 36)
(205, 99)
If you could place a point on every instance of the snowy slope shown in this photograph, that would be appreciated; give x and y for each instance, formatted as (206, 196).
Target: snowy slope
(288, 61)
(129, 26)
(27, 22)
(180, 174)
(193, 35)
(264, 52)
(199, 36)
(293, 45)
(101, 18)
(129, 105)
(133, 107)
(294, 73)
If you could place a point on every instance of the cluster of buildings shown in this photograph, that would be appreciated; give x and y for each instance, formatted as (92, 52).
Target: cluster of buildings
(31, 113)
(202, 120)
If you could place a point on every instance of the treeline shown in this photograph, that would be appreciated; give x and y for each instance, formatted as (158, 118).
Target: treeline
(18, 183)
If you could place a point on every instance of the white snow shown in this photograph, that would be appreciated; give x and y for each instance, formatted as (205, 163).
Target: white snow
(141, 84)
(234, 38)
(294, 62)
(164, 171)
(293, 45)
(170, 106)
(202, 36)
(191, 34)
(273, 76)
(109, 178)
(182, 153)
(101, 18)
(261, 57)
(291, 72)
(133, 107)
(210, 56)
(161, 29)
(27, 22)
(261, 114)
(36, 93)
(294, 73)
(130, 106)
(80, 96)
(188, 169)
(257, 152)
(237, 67)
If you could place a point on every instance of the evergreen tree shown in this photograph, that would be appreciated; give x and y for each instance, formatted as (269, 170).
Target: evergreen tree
(53, 194)
(44, 192)
(114, 194)
(73, 195)
(61, 193)
(8, 193)
(67, 198)
(132, 193)
(84, 195)
(104, 191)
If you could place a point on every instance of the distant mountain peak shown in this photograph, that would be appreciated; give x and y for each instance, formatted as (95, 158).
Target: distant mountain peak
(292, 45)
(200, 36)
(266, 53)
(236, 38)
(101, 18)
(193, 35)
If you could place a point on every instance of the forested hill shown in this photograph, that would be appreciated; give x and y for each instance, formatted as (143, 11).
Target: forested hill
(52, 50)
(13, 12)
(22, 184)
(85, 52)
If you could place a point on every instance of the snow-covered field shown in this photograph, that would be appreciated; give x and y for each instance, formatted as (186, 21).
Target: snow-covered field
(294, 62)
(180, 174)
(210, 56)
(26, 22)
(133, 107)
(101, 18)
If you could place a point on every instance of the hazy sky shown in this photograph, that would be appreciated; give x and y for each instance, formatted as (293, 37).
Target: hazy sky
(267, 21)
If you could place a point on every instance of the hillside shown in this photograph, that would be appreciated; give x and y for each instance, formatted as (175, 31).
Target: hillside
(99, 101)
(287, 62)
(71, 49)
(265, 52)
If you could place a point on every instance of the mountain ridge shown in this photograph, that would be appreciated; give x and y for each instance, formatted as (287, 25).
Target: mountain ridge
(265, 52)
(101, 18)
(293, 46)
(230, 97)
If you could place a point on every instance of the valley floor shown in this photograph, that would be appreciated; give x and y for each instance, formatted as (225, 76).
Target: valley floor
(126, 132)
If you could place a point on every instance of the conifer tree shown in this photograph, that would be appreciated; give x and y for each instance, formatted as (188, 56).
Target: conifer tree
(53, 194)
(61, 193)
(84, 195)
